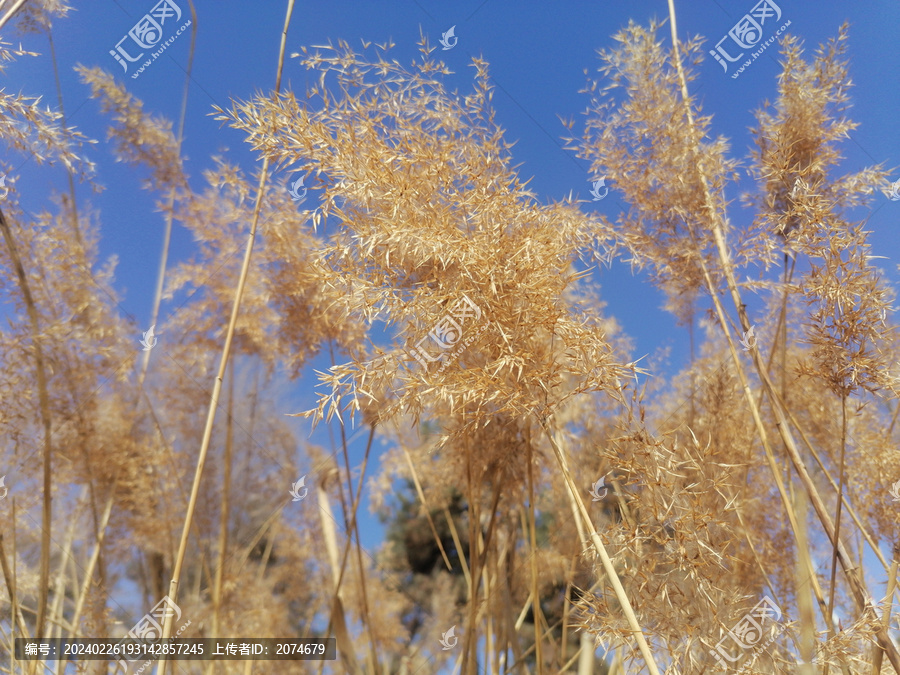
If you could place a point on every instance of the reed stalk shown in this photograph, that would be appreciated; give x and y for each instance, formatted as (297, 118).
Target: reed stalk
(223, 363)
(44, 398)
(608, 567)
(857, 587)
(224, 513)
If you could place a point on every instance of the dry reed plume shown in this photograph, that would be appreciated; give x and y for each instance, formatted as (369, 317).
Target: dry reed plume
(749, 475)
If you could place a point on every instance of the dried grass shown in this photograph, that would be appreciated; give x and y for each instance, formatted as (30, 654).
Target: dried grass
(712, 502)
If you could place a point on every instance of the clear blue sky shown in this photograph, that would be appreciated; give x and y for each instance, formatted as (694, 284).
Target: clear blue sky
(537, 53)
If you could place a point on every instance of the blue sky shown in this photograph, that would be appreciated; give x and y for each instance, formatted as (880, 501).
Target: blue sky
(537, 51)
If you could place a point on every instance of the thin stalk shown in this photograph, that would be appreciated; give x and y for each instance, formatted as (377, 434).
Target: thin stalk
(576, 516)
(311, 611)
(857, 585)
(254, 542)
(780, 324)
(480, 559)
(454, 533)
(427, 509)
(608, 567)
(888, 602)
(13, 598)
(73, 210)
(484, 543)
(490, 579)
(524, 611)
(616, 667)
(338, 621)
(44, 398)
(796, 527)
(512, 639)
(171, 463)
(567, 603)
(226, 351)
(837, 517)
(545, 634)
(15, 8)
(532, 531)
(894, 417)
(95, 556)
(803, 563)
(167, 234)
(586, 655)
(489, 632)
(753, 550)
(760, 428)
(59, 590)
(223, 517)
(350, 525)
(564, 667)
(693, 356)
(500, 616)
(469, 656)
(89, 571)
(847, 506)
(62, 112)
(57, 611)
(10, 579)
(782, 333)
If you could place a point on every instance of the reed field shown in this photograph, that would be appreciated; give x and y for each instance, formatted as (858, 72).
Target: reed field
(548, 499)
